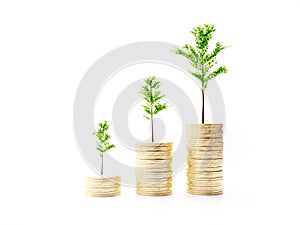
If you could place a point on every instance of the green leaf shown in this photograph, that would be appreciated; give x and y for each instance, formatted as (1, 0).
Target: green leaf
(159, 107)
(189, 56)
(220, 70)
(198, 75)
(219, 47)
(148, 118)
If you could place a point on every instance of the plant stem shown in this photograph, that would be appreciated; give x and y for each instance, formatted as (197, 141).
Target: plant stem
(152, 128)
(202, 90)
(202, 105)
(102, 164)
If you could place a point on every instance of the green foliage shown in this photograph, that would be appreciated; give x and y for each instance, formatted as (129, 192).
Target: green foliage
(199, 56)
(103, 137)
(152, 97)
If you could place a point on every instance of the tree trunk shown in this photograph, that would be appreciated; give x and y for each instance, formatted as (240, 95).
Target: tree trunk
(102, 164)
(152, 134)
(202, 105)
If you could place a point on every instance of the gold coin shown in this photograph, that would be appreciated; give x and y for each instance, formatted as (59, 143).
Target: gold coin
(204, 148)
(102, 189)
(148, 181)
(205, 182)
(205, 155)
(154, 153)
(204, 135)
(153, 164)
(158, 177)
(208, 179)
(154, 188)
(194, 192)
(154, 144)
(153, 161)
(157, 150)
(102, 186)
(153, 193)
(205, 174)
(192, 169)
(191, 133)
(153, 169)
(145, 174)
(152, 157)
(204, 126)
(101, 182)
(205, 187)
(191, 143)
(105, 179)
(106, 194)
(156, 185)
(204, 163)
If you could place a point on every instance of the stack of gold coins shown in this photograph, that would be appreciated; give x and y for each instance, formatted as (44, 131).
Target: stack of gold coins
(154, 169)
(205, 157)
(102, 186)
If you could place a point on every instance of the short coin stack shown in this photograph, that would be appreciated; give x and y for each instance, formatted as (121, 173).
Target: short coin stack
(205, 156)
(154, 169)
(102, 186)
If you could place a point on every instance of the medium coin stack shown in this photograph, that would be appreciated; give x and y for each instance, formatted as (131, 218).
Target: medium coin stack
(205, 156)
(154, 169)
(102, 186)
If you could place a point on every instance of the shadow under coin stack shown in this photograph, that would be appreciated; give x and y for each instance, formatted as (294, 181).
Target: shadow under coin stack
(205, 156)
(102, 187)
(154, 169)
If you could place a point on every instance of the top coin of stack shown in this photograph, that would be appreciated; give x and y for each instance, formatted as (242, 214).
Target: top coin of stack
(205, 157)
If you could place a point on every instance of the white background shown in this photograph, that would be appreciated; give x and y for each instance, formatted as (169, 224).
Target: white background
(47, 46)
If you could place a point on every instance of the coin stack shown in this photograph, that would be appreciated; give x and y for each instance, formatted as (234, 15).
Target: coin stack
(154, 169)
(205, 156)
(102, 186)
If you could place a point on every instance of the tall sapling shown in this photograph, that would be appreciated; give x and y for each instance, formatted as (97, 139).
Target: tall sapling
(201, 59)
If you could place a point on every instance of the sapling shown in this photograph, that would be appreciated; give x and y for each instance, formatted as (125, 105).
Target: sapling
(201, 59)
(152, 98)
(103, 144)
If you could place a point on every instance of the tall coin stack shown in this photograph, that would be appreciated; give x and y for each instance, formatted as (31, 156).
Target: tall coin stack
(102, 186)
(154, 169)
(205, 156)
